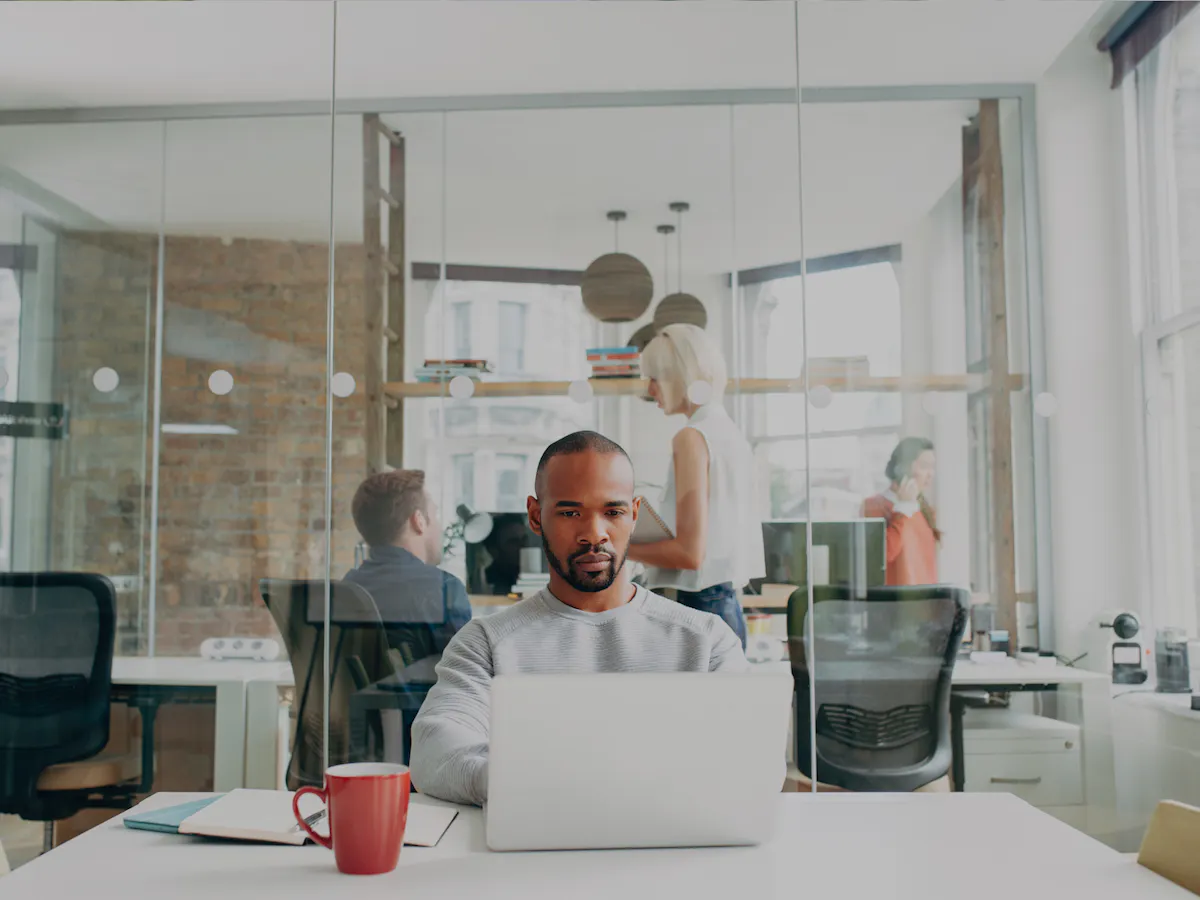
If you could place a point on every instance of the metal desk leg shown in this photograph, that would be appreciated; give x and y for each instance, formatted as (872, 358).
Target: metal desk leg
(262, 734)
(148, 707)
(958, 766)
(229, 754)
(359, 737)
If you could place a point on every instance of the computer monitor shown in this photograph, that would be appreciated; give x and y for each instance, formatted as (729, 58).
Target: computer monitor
(494, 564)
(857, 552)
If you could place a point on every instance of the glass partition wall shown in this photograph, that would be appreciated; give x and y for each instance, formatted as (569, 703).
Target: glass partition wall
(242, 319)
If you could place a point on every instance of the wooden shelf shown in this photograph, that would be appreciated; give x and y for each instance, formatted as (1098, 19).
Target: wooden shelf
(636, 387)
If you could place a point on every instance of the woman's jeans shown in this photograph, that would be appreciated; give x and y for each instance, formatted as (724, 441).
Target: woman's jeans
(720, 600)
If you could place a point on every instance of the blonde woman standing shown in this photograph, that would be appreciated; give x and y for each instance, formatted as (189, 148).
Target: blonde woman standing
(709, 500)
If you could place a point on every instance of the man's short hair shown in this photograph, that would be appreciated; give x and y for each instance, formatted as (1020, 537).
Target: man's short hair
(577, 442)
(385, 502)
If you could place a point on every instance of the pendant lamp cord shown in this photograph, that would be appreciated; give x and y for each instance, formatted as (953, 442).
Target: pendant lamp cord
(679, 255)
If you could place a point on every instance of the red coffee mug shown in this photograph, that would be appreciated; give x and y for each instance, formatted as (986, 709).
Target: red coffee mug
(368, 809)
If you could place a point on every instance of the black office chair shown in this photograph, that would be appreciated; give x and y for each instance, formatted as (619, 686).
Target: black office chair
(881, 666)
(57, 632)
(358, 654)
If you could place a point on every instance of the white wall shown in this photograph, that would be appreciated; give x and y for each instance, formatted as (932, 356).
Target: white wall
(1091, 353)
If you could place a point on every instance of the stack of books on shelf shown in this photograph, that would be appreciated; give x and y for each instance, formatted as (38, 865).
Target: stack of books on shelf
(436, 371)
(614, 362)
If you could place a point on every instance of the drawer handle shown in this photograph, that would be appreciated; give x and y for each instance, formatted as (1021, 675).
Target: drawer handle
(1037, 780)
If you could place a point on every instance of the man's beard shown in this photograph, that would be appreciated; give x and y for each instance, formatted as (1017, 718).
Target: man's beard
(587, 582)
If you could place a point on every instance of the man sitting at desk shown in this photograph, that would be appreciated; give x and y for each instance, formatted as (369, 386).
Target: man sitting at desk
(592, 618)
(420, 605)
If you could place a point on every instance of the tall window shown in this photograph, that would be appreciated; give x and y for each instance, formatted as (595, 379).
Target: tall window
(1166, 89)
(461, 319)
(511, 490)
(512, 337)
(479, 450)
(853, 323)
(464, 479)
(10, 342)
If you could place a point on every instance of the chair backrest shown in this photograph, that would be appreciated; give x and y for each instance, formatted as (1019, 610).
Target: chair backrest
(880, 666)
(355, 633)
(57, 632)
(1170, 847)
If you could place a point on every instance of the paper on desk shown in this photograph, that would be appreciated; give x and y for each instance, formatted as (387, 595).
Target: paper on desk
(247, 815)
(258, 815)
(427, 824)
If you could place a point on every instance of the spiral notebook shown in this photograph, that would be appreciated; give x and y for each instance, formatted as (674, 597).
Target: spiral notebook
(650, 526)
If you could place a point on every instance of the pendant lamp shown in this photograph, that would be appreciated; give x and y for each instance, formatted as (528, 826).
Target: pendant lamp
(617, 287)
(679, 308)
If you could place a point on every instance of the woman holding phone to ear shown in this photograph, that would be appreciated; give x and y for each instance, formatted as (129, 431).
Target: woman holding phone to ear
(912, 532)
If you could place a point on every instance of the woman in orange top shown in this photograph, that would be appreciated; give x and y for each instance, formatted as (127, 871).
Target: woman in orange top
(912, 532)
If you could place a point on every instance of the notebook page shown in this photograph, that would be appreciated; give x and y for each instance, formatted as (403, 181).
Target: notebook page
(427, 824)
(261, 815)
(249, 815)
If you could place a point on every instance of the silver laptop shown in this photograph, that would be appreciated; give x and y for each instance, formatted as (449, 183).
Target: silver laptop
(636, 760)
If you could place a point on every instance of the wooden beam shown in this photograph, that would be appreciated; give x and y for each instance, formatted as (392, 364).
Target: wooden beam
(383, 131)
(427, 271)
(394, 323)
(387, 198)
(984, 176)
(374, 299)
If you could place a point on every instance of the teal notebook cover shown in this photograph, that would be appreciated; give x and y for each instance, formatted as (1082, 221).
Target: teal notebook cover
(167, 821)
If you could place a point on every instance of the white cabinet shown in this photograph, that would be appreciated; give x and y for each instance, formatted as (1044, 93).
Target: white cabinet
(1035, 758)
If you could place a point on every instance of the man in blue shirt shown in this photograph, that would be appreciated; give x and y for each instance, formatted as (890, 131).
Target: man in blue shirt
(420, 605)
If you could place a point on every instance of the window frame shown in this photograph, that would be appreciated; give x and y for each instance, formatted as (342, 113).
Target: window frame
(759, 302)
(1169, 558)
(522, 310)
(461, 310)
(503, 464)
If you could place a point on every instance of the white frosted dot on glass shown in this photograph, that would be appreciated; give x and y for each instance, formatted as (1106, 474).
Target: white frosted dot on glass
(700, 392)
(580, 391)
(343, 384)
(105, 380)
(820, 396)
(1045, 405)
(220, 382)
(116, 548)
(931, 403)
(461, 387)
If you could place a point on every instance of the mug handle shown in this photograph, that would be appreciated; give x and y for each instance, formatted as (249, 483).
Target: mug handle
(326, 842)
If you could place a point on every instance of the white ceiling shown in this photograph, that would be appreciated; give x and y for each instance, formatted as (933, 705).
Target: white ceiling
(119, 53)
(526, 188)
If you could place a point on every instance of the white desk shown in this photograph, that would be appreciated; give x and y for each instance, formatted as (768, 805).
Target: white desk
(1093, 715)
(262, 716)
(229, 680)
(917, 846)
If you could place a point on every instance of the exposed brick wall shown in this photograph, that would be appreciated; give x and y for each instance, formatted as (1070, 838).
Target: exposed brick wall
(233, 508)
